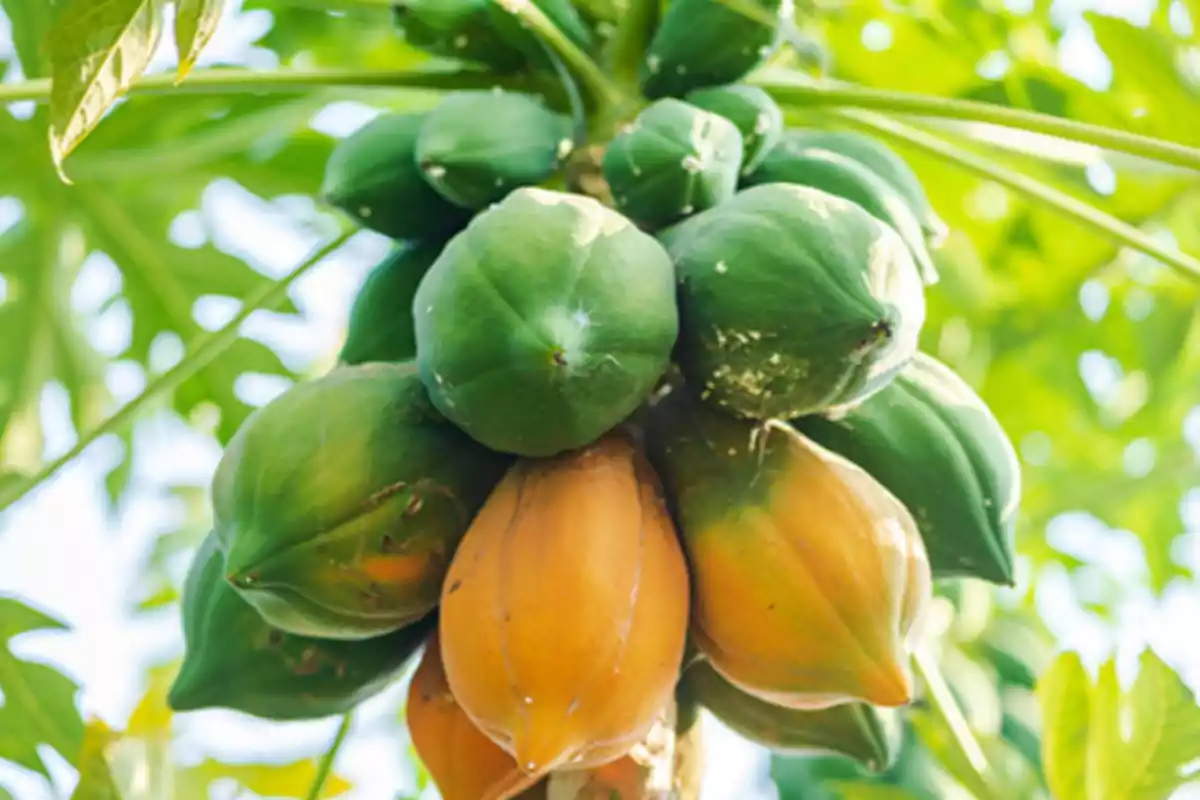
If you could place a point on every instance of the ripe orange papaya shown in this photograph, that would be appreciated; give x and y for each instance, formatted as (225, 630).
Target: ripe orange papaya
(808, 576)
(463, 762)
(564, 611)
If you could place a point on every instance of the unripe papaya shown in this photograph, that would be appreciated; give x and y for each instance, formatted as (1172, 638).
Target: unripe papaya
(933, 442)
(463, 762)
(754, 113)
(457, 29)
(339, 503)
(564, 613)
(381, 318)
(859, 731)
(372, 175)
(808, 576)
(233, 659)
(674, 159)
(475, 147)
(517, 34)
(704, 43)
(885, 163)
(793, 161)
(792, 301)
(572, 318)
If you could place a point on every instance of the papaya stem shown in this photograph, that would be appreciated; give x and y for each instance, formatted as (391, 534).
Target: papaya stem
(326, 765)
(202, 351)
(946, 707)
(628, 47)
(602, 90)
(233, 80)
(1107, 225)
(807, 93)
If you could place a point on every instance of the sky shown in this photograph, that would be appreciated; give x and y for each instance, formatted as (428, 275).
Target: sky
(59, 551)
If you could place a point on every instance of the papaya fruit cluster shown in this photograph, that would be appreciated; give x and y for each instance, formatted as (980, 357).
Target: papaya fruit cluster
(598, 457)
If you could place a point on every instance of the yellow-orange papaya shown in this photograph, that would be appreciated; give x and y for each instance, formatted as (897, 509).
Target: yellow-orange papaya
(564, 611)
(463, 762)
(808, 576)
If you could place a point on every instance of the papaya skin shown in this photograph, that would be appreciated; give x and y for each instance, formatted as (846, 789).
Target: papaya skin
(463, 762)
(564, 612)
(808, 576)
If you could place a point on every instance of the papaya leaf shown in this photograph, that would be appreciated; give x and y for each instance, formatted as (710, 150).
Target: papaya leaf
(870, 791)
(1099, 742)
(95, 776)
(98, 48)
(30, 23)
(265, 780)
(4, 794)
(39, 702)
(195, 23)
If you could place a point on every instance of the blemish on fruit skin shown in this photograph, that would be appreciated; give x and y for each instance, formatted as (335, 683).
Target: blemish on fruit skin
(721, 268)
(364, 212)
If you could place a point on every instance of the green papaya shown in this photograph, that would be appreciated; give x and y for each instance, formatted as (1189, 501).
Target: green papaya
(884, 162)
(233, 659)
(753, 112)
(791, 301)
(934, 444)
(372, 175)
(339, 504)
(381, 319)
(456, 29)
(791, 161)
(674, 159)
(475, 147)
(859, 731)
(704, 43)
(570, 314)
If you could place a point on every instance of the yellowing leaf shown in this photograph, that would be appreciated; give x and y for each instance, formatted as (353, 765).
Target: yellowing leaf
(1065, 700)
(265, 780)
(98, 48)
(151, 719)
(195, 23)
(95, 776)
(1101, 744)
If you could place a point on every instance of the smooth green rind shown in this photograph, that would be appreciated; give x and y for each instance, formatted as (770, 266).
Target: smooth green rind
(869, 735)
(372, 175)
(476, 147)
(545, 323)
(884, 162)
(672, 161)
(792, 301)
(456, 29)
(936, 446)
(233, 659)
(753, 112)
(703, 43)
(340, 503)
(792, 161)
(381, 321)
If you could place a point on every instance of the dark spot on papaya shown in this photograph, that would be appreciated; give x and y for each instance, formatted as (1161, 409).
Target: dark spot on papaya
(275, 638)
(454, 587)
(387, 544)
(558, 357)
(771, 607)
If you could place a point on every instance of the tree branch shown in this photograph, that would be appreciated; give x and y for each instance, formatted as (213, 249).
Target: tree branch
(202, 352)
(232, 80)
(797, 94)
(1120, 232)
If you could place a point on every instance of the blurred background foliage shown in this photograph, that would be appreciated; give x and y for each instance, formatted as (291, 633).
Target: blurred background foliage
(1088, 353)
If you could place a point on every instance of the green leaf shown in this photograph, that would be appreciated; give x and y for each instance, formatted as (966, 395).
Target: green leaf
(195, 23)
(265, 780)
(1102, 744)
(98, 48)
(39, 702)
(4, 794)
(95, 776)
(867, 791)
(30, 22)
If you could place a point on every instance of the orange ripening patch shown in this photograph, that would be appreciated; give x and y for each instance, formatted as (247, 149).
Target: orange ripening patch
(396, 568)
